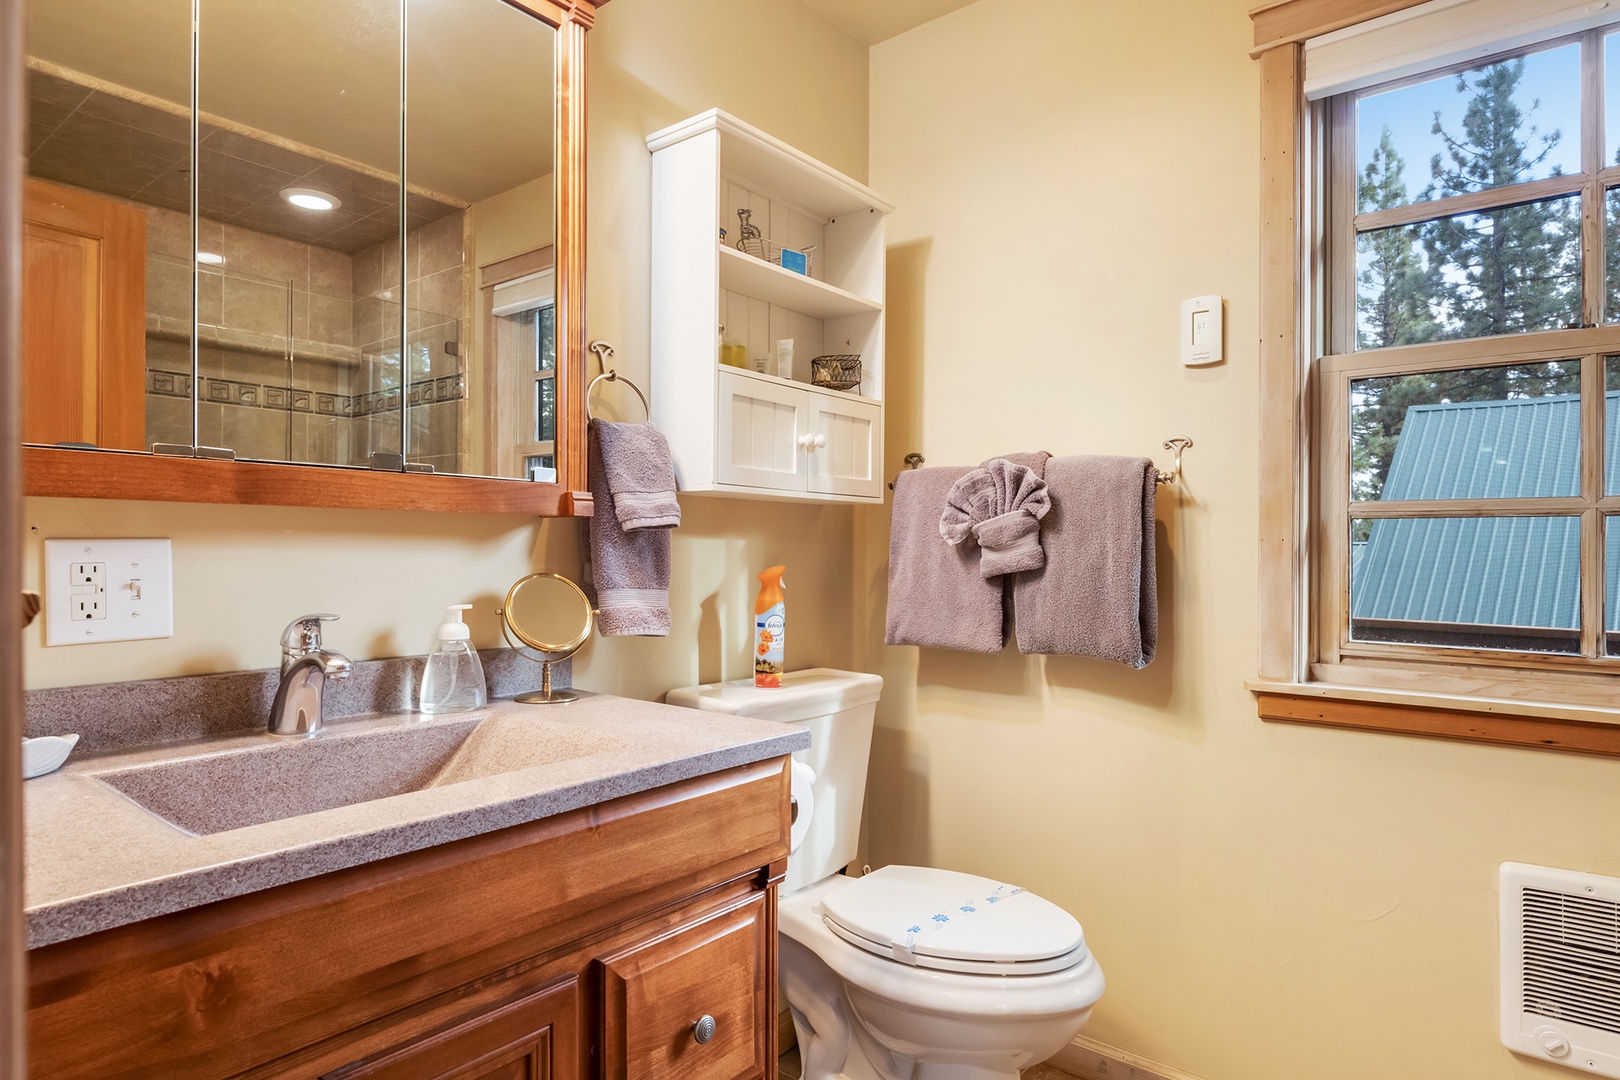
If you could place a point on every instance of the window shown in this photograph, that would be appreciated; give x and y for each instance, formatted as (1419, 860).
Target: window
(540, 452)
(1440, 369)
(523, 314)
(1466, 401)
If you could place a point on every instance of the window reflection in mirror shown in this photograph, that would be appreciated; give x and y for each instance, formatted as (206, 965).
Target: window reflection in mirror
(332, 298)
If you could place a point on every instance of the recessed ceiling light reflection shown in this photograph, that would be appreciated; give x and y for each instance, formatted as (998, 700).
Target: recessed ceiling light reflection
(310, 199)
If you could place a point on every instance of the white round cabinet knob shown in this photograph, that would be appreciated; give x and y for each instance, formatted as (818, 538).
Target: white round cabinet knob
(821, 441)
(1552, 1041)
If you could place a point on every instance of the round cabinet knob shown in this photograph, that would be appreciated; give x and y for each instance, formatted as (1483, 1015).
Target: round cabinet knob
(821, 441)
(804, 441)
(703, 1030)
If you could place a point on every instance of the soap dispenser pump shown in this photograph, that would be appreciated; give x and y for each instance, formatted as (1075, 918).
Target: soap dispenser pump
(454, 680)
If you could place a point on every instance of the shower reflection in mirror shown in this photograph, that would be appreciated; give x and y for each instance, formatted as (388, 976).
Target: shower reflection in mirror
(268, 255)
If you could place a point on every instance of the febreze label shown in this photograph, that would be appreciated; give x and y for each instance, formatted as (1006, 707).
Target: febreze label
(770, 635)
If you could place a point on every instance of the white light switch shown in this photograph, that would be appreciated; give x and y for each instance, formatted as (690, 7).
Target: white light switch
(1202, 333)
(107, 590)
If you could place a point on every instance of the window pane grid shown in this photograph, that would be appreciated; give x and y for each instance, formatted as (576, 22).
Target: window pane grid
(1502, 526)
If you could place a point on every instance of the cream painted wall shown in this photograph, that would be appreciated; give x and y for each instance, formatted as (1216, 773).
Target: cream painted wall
(242, 573)
(1268, 902)
(517, 220)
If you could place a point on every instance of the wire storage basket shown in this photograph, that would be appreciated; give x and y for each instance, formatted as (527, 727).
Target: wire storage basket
(836, 371)
(754, 243)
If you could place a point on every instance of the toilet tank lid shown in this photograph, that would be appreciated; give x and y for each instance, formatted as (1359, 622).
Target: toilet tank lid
(942, 913)
(803, 695)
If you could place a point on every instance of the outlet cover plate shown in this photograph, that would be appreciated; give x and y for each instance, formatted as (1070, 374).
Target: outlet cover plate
(138, 598)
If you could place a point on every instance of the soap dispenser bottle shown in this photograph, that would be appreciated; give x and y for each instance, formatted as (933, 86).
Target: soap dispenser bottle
(454, 680)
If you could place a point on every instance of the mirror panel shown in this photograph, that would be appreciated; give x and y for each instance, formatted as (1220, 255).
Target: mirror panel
(481, 326)
(298, 275)
(296, 333)
(548, 613)
(107, 244)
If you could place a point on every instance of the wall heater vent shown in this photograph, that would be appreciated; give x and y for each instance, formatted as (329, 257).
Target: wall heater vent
(1560, 942)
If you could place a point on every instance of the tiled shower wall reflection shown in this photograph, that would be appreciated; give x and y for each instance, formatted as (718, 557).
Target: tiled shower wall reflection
(299, 345)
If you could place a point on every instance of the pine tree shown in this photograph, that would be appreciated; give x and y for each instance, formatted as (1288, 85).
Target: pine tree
(1512, 269)
(1393, 286)
(1496, 272)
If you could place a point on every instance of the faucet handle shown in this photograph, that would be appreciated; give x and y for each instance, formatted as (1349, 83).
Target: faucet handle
(303, 635)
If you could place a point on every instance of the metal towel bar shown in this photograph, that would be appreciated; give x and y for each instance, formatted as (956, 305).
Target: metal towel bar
(915, 460)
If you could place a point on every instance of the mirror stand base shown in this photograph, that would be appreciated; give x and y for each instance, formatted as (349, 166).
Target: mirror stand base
(541, 697)
(546, 695)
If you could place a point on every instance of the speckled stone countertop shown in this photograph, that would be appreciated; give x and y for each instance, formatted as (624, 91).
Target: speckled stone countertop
(97, 858)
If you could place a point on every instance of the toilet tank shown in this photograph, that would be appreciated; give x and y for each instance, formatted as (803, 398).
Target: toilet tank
(836, 707)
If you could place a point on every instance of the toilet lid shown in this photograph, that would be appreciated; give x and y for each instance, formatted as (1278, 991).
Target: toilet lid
(956, 922)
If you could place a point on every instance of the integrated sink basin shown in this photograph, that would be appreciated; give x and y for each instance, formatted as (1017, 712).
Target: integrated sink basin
(274, 779)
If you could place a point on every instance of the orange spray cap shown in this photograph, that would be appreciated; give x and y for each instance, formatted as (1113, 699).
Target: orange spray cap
(771, 586)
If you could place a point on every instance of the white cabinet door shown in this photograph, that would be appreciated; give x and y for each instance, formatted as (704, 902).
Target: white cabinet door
(761, 423)
(846, 436)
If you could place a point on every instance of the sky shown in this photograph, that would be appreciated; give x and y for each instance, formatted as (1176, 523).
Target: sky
(1551, 77)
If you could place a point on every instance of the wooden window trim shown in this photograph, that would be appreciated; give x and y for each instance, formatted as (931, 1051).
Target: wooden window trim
(1474, 702)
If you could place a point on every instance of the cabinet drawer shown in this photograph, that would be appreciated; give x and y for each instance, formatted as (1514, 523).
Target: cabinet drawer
(655, 995)
(531, 1038)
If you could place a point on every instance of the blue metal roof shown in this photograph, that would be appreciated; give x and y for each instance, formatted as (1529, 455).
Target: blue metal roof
(1513, 572)
(1520, 448)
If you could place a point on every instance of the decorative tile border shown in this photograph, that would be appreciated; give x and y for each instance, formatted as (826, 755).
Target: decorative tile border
(123, 716)
(284, 399)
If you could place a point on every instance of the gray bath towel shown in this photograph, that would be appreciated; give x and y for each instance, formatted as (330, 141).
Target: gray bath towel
(937, 597)
(999, 507)
(1097, 595)
(626, 573)
(640, 473)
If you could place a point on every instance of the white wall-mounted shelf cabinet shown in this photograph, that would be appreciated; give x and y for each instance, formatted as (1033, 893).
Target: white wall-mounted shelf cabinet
(738, 432)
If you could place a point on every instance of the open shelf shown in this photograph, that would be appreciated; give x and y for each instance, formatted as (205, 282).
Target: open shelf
(776, 166)
(763, 281)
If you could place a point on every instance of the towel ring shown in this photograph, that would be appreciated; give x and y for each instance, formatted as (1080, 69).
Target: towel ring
(603, 350)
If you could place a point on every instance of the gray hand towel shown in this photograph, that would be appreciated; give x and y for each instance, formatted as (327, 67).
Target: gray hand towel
(1000, 507)
(640, 473)
(626, 573)
(1098, 593)
(937, 597)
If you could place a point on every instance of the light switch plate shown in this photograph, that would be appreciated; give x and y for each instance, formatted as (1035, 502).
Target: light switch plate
(1203, 333)
(108, 590)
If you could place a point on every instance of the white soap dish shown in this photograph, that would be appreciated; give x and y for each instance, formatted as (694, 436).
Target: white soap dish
(41, 756)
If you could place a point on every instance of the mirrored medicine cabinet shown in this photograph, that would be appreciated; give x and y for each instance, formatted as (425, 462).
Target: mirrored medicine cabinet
(306, 252)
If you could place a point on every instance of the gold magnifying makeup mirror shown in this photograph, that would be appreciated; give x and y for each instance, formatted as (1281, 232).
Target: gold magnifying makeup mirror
(547, 618)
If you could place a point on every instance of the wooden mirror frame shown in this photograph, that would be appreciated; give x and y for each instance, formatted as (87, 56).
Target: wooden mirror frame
(113, 474)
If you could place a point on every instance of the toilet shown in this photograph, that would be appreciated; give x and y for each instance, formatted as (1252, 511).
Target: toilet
(910, 972)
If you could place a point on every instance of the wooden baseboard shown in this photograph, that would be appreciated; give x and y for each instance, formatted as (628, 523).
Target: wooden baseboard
(1087, 1059)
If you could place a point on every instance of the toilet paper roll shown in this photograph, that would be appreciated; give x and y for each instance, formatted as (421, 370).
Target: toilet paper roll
(803, 806)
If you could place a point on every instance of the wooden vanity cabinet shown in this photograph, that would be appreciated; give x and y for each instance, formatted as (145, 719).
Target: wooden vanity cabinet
(586, 945)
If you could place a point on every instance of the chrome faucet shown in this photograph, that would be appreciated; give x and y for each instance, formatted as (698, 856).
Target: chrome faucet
(305, 667)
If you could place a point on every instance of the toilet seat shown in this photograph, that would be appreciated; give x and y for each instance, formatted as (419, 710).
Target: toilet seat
(948, 921)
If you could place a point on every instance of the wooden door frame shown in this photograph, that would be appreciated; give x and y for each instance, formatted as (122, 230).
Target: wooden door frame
(13, 111)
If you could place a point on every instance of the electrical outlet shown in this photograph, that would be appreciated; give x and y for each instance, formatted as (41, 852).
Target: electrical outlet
(107, 590)
(87, 589)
